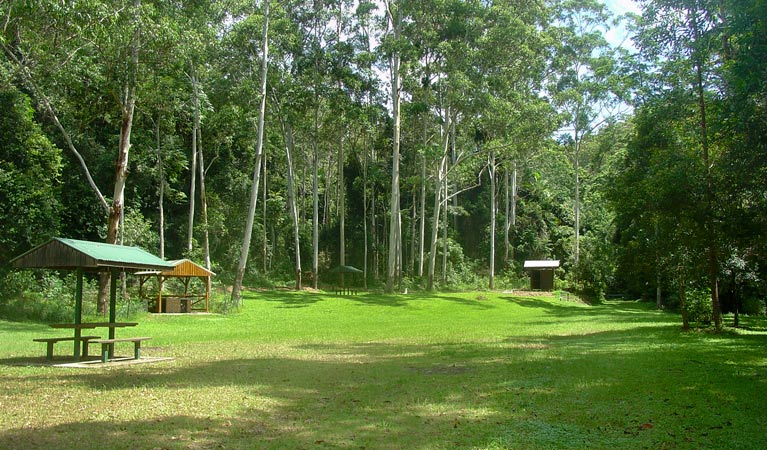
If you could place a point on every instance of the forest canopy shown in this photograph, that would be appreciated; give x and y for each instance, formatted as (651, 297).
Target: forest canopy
(431, 144)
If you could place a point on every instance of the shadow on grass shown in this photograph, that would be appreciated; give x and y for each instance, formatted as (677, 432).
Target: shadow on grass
(293, 299)
(615, 311)
(650, 387)
(16, 327)
(289, 299)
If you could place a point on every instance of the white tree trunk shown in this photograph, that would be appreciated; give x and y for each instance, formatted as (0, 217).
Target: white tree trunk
(365, 214)
(341, 206)
(292, 204)
(576, 164)
(128, 105)
(395, 233)
(491, 172)
(422, 233)
(193, 168)
(240, 274)
(204, 205)
(439, 186)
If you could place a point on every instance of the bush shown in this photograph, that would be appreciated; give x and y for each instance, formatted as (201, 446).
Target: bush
(752, 306)
(41, 297)
(698, 306)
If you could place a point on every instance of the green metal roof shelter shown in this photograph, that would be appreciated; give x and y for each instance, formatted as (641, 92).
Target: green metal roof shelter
(73, 254)
(345, 269)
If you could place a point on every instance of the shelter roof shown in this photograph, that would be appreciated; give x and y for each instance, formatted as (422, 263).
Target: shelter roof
(345, 269)
(181, 268)
(542, 264)
(62, 253)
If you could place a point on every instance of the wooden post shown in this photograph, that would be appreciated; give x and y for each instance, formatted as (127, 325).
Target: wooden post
(160, 309)
(112, 309)
(207, 293)
(78, 313)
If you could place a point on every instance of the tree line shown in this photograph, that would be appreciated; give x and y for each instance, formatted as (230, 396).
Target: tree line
(429, 143)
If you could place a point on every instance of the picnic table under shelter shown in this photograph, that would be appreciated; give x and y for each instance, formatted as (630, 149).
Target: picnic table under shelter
(82, 256)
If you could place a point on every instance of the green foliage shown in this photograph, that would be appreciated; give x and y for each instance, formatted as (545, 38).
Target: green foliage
(41, 296)
(30, 167)
(699, 307)
(480, 67)
(752, 306)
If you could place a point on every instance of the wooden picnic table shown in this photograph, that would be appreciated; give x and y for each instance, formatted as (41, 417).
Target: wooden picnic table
(78, 338)
(83, 325)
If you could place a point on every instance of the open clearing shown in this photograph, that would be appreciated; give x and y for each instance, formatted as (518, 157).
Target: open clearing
(442, 371)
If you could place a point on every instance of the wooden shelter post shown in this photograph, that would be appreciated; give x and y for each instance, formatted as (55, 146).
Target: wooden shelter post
(112, 308)
(78, 311)
(160, 309)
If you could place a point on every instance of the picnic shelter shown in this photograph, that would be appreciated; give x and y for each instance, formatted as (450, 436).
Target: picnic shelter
(342, 271)
(185, 271)
(82, 256)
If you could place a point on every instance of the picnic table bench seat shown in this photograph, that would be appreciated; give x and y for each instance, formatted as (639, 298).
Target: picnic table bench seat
(50, 341)
(106, 344)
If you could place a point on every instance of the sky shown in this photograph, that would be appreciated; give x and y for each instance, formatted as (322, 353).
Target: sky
(618, 35)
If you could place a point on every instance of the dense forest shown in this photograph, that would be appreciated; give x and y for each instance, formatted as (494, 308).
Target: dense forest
(433, 144)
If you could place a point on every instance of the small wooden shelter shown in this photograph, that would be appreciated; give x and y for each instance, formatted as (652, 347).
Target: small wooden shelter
(342, 271)
(186, 271)
(542, 274)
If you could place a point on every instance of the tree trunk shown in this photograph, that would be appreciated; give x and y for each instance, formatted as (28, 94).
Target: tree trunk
(365, 214)
(204, 207)
(413, 235)
(265, 238)
(683, 303)
(374, 227)
(161, 187)
(289, 147)
(395, 233)
(193, 168)
(121, 165)
(444, 232)
(713, 257)
(315, 202)
(511, 212)
(506, 217)
(240, 274)
(341, 206)
(491, 172)
(577, 227)
(436, 214)
(422, 232)
(439, 184)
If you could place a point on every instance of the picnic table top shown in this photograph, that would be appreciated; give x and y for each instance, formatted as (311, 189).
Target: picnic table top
(94, 325)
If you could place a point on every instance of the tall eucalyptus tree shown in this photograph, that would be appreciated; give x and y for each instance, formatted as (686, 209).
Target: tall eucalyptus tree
(244, 250)
(394, 265)
(581, 69)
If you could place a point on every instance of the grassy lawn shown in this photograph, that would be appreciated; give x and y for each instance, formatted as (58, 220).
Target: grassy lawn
(444, 371)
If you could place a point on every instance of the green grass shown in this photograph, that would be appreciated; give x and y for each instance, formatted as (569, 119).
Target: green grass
(444, 371)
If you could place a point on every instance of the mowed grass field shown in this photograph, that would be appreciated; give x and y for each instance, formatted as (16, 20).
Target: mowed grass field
(444, 371)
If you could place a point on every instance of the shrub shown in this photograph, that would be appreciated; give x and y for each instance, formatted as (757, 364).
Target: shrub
(698, 306)
(752, 306)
